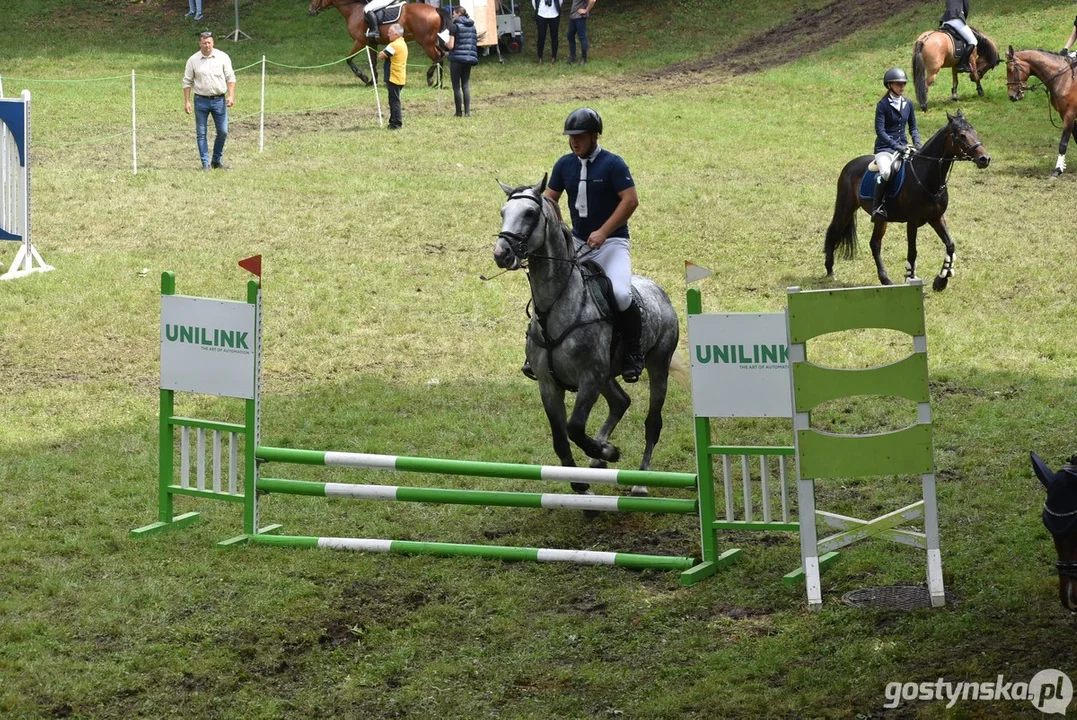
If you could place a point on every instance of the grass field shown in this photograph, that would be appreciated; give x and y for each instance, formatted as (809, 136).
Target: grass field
(381, 338)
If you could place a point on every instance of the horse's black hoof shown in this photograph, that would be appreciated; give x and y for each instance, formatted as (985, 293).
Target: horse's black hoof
(980, 91)
(886, 281)
(581, 488)
(940, 283)
(598, 464)
(1054, 174)
(611, 453)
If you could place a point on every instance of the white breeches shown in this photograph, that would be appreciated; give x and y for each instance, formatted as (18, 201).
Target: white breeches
(885, 161)
(376, 5)
(962, 30)
(613, 256)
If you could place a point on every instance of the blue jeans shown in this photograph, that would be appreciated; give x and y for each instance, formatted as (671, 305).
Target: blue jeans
(195, 6)
(577, 27)
(203, 108)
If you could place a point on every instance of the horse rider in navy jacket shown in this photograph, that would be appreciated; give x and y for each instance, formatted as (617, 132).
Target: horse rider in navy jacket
(892, 114)
(956, 15)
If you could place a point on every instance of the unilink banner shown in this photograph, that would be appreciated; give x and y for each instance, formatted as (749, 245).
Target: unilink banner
(209, 346)
(740, 365)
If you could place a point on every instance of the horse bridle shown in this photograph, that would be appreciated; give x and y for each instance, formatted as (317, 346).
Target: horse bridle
(966, 154)
(518, 240)
(1065, 568)
(1022, 85)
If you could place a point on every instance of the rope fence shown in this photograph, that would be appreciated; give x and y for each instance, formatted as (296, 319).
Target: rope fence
(135, 79)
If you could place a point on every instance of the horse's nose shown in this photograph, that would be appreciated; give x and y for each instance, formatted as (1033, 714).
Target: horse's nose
(983, 161)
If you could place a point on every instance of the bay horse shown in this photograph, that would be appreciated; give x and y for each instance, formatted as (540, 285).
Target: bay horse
(923, 198)
(421, 22)
(1060, 518)
(934, 50)
(570, 335)
(1056, 75)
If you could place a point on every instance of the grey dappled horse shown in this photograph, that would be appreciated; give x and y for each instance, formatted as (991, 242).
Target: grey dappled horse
(568, 341)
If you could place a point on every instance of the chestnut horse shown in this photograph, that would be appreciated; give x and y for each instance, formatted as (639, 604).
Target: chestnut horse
(421, 23)
(1060, 518)
(923, 198)
(934, 50)
(1058, 77)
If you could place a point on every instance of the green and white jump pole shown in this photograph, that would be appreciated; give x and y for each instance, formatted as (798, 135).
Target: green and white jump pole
(213, 347)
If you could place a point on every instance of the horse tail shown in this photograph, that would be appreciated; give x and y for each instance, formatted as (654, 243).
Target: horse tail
(841, 233)
(678, 370)
(919, 74)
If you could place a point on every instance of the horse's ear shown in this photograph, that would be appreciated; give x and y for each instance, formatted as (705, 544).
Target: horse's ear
(1009, 52)
(541, 187)
(1044, 473)
(506, 188)
(960, 114)
(951, 117)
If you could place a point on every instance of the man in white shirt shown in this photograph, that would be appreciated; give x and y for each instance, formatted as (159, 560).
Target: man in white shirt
(209, 74)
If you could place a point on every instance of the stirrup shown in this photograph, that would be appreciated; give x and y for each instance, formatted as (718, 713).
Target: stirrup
(632, 370)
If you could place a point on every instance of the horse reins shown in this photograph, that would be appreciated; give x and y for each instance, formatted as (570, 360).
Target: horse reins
(518, 242)
(966, 154)
(1023, 86)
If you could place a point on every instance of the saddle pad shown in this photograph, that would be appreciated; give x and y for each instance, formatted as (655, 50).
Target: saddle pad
(867, 185)
(389, 13)
(955, 37)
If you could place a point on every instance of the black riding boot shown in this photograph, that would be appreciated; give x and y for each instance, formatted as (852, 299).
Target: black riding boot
(631, 326)
(527, 371)
(964, 65)
(878, 201)
(371, 27)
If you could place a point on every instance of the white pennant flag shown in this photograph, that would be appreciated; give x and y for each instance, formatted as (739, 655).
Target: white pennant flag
(693, 272)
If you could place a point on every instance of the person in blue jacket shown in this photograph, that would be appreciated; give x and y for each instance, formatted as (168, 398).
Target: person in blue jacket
(893, 114)
(463, 47)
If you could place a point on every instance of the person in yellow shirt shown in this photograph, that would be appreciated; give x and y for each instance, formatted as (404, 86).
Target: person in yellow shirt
(397, 54)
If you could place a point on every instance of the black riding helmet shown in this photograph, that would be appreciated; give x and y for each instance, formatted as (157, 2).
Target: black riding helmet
(584, 120)
(893, 75)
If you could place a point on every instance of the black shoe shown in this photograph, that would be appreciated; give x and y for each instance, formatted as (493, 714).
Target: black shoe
(220, 166)
(527, 371)
(631, 326)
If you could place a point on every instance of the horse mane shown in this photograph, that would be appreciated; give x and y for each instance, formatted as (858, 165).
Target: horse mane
(986, 48)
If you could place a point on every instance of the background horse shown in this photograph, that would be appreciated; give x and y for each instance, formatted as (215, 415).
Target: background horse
(934, 50)
(923, 198)
(1056, 74)
(421, 23)
(1060, 519)
(569, 339)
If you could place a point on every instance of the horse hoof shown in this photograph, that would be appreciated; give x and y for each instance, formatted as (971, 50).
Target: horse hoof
(599, 464)
(639, 491)
(886, 281)
(980, 91)
(611, 453)
(1054, 174)
(939, 283)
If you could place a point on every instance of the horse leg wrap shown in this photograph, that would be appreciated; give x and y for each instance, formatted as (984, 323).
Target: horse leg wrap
(948, 266)
(910, 271)
(1061, 164)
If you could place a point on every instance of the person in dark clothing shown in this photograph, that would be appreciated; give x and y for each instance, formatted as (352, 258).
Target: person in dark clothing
(956, 15)
(548, 19)
(892, 114)
(601, 198)
(577, 25)
(463, 47)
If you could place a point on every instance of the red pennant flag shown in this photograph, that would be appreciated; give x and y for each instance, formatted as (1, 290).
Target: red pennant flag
(252, 265)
